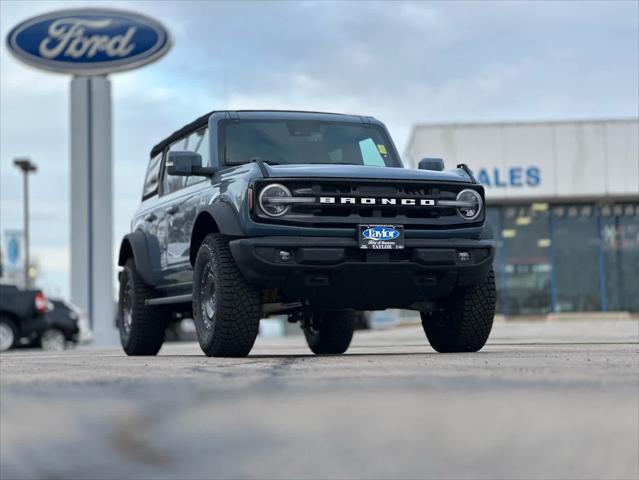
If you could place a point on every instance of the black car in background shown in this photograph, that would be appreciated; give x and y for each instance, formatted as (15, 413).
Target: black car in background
(63, 326)
(22, 316)
(28, 318)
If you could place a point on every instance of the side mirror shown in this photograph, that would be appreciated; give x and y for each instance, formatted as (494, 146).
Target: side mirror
(431, 164)
(187, 163)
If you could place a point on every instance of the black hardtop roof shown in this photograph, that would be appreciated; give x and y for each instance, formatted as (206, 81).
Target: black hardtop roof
(188, 128)
(204, 120)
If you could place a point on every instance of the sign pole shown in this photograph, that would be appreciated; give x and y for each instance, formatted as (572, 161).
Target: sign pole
(90, 43)
(91, 204)
(26, 166)
(25, 202)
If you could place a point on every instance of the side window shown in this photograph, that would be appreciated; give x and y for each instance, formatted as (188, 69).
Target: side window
(172, 183)
(195, 142)
(199, 142)
(152, 176)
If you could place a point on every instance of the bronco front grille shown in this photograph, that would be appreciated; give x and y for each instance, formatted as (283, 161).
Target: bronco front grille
(340, 203)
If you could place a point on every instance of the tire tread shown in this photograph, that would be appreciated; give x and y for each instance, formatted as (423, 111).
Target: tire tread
(149, 323)
(465, 325)
(334, 335)
(239, 307)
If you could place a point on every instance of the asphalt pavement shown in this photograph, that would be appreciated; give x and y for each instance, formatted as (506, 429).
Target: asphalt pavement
(541, 400)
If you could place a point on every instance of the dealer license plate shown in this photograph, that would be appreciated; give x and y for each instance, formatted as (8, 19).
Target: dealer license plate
(381, 237)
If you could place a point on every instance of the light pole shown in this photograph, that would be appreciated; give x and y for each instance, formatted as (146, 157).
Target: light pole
(26, 166)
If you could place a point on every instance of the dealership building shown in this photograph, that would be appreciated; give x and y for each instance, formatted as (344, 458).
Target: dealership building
(563, 202)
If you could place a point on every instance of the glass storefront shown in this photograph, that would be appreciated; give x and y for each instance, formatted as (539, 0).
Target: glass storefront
(525, 236)
(566, 257)
(620, 252)
(576, 262)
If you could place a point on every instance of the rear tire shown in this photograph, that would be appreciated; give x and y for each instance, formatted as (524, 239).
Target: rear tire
(329, 332)
(8, 334)
(464, 324)
(52, 340)
(141, 326)
(226, 309)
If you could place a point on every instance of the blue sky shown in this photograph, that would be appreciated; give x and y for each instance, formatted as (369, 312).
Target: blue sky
(403, 62)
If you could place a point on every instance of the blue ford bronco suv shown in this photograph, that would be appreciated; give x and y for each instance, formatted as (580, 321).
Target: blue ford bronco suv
(246, 214)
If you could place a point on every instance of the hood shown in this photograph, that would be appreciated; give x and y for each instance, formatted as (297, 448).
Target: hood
(365, 172)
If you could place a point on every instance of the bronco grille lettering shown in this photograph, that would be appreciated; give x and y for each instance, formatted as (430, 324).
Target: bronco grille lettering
(406, 202)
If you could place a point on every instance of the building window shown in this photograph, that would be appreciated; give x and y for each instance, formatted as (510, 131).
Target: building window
(526, 242)
(575, 244)
(619, 229)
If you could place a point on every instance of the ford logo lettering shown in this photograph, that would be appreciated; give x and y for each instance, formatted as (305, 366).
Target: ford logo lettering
(383, 234)
(89, 41)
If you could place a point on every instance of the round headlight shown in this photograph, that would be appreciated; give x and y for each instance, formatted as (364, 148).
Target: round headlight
(473, 201)
(270, 199)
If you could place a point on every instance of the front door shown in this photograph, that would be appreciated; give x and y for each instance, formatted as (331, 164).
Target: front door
(180, 206)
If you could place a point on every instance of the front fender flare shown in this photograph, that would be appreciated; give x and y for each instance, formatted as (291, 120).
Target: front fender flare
(226, 218)
(486, 232)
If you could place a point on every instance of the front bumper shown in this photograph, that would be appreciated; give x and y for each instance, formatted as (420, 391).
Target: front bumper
(334, 273)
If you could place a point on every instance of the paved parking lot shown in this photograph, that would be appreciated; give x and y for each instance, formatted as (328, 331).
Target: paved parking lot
(542, 400)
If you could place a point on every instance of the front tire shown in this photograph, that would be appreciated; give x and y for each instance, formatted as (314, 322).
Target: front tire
(141, 326)
(329, 332)
(8, 335)
(464, 323)
(226, 309)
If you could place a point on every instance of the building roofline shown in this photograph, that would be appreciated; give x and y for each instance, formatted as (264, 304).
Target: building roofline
(523, 122)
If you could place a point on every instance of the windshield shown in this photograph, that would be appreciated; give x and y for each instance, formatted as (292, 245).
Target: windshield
(281, 142)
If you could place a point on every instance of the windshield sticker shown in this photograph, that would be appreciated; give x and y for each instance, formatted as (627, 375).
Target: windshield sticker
(382, 149)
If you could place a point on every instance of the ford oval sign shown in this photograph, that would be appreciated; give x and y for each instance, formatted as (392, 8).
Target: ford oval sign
(89, 41)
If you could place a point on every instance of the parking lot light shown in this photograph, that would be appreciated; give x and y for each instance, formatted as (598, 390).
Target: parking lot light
(26, 166)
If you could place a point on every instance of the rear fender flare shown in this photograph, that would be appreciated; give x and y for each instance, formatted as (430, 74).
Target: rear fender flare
(143, 249)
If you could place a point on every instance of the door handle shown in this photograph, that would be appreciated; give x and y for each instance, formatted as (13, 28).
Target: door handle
(172, 210)
(152, 217)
